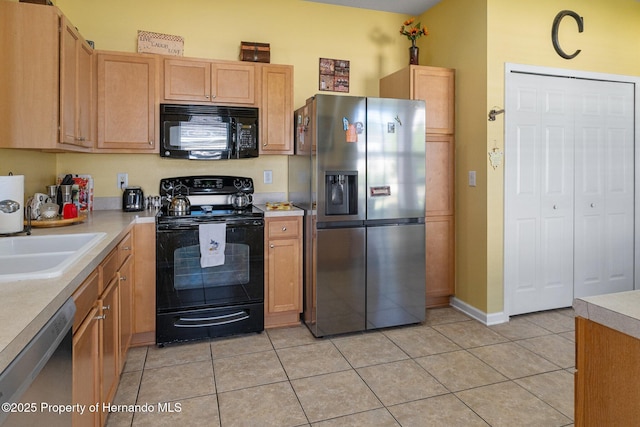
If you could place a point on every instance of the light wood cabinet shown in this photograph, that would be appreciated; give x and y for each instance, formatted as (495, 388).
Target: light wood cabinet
(127, 103)
(76, 88)
(283, 271)
(203, 81)
(102, 331)
(276, 109)
(439, 255)
(436, 86)
(86, 352)
(144, 285)
(45, 80)
(606, 377)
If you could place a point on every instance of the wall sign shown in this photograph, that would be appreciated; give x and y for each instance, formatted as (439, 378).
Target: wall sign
(554, 32)
(334, 75)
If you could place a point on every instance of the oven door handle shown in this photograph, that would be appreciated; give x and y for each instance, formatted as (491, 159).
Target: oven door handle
(200, 322)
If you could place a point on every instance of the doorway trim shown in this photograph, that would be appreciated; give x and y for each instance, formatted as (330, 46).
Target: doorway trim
(587, 75)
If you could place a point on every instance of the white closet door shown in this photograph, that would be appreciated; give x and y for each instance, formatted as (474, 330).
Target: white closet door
(569, 190)
(538, 194)
(604, 193)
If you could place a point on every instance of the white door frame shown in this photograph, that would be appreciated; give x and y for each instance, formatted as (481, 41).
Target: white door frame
(561, 72)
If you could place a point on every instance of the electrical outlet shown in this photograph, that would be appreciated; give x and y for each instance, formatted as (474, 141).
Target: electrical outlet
(123, 180)
(268, 177)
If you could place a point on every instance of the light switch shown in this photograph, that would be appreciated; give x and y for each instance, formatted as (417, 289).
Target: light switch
(472, 178)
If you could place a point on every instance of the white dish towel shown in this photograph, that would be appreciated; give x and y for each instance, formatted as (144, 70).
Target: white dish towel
(212, 244)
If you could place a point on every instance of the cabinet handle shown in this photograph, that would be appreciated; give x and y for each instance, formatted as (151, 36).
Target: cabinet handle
(123, 278)
(593, 205)
(213, 96)
(126, 248)
(104, 316)
(150, 142)
(271, 245)
(206, 96)
(106, 307)
(555, 206)
(284, 228)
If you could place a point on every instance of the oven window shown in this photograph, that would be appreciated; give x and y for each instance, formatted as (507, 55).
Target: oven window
(210, 133)
(181, 282)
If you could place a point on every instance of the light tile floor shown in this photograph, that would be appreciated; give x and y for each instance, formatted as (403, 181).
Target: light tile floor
(449, 371)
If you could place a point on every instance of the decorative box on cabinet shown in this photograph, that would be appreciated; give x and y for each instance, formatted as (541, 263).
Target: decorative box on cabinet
(205, 81)
(436, 87)
(127, 106)
(283, 270)
(45, 80)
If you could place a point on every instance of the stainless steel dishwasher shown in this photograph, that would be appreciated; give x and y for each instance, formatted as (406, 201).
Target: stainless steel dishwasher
(35, 389)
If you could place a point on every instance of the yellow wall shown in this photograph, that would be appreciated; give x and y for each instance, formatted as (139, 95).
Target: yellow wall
(515, 32)
(299, 33)
(39, 169)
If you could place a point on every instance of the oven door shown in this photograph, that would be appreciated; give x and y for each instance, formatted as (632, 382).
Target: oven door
(182, 284)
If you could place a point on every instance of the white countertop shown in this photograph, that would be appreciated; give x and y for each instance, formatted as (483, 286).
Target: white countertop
(619, 311)
(294, 211)
(26, 305)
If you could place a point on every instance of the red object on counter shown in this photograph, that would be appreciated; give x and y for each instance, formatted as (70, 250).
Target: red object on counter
(69, 211)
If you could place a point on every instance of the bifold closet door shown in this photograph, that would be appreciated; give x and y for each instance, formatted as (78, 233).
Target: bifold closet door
(568, 190)
(604, 191)
(538, 251)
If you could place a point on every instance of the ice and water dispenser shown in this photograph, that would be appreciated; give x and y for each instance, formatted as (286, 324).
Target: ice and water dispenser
(341, 193)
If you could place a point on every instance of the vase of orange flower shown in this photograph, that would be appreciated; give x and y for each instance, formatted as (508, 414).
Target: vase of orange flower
(413, 33)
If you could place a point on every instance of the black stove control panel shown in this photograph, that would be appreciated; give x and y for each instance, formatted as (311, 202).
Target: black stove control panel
(205, 185)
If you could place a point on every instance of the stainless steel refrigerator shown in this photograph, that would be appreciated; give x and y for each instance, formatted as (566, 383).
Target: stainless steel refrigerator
(359, 173)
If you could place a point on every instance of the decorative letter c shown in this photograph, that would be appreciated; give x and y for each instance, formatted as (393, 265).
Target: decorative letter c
(554, 32)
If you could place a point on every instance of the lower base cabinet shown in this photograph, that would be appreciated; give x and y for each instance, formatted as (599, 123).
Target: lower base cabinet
(606, 377)
(283, 271)
(102, 331)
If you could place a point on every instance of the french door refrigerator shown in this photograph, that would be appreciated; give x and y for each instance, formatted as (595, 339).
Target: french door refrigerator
(360, 176)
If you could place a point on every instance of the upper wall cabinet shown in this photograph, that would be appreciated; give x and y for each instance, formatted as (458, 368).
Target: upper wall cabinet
(276, 109)
(433, 84)
(203, 81)
(127, 103)
(45, 80)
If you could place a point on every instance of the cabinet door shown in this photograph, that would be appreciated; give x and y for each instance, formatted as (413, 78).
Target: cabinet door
(29, 75)
(187, 80)
(276, 110)
(436, 87)
(284, 276)
(126, 277)
(110, 341)
(86, 370)
(144, 294)
(439, 260)
(233, 83)
(75, 87)
(440, 176)
(127, 103)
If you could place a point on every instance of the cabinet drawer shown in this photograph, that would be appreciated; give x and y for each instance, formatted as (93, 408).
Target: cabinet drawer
(125, 249)
(108, 269)
(282, 228)
(85, 297)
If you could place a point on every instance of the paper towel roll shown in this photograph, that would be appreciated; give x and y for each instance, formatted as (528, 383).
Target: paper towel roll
(12, 188)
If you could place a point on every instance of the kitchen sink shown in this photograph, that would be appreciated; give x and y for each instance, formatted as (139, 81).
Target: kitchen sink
(42, 257)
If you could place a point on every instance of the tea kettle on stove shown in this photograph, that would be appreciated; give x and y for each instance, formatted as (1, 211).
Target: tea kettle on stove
(180, 204)
(241, 200)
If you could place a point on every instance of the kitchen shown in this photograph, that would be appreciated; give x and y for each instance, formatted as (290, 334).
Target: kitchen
(453, 42)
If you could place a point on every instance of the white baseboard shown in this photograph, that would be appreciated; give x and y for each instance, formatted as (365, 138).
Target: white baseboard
(480, 316)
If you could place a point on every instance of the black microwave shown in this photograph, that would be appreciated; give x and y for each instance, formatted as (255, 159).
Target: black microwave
(208, 132)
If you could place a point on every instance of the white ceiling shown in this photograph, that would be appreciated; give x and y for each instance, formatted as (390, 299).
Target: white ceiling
(407, 7)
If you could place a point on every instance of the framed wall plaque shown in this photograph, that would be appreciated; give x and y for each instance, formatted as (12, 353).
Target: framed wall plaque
(334, 75)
